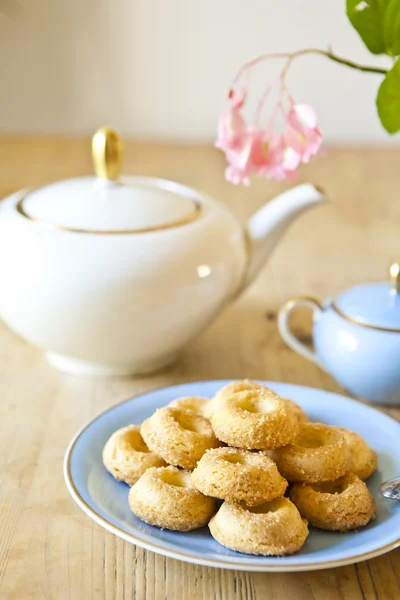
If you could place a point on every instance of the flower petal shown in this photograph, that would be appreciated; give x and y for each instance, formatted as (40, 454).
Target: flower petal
(302, 116)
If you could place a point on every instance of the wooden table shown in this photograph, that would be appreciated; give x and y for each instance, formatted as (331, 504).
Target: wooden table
(48, 547)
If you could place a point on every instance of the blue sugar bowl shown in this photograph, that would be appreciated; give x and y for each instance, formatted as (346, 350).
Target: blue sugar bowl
(356, 338)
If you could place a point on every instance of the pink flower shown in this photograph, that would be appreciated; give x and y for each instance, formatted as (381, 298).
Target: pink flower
(231, 125)
(282, 161)
(250, 150)
(240, 160)
(303, 134)
(263, 154)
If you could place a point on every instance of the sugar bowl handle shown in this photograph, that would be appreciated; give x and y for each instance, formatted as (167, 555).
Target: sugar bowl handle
(284, 325)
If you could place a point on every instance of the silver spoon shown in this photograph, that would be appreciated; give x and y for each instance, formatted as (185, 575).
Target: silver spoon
(391, 488)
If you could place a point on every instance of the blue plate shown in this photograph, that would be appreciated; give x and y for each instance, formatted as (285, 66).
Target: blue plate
(106, 501)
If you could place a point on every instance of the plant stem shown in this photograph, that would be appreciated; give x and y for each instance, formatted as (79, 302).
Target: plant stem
(349, 63)
(292, 55)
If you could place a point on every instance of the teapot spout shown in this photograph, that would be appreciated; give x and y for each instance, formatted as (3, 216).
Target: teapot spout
(267, 225)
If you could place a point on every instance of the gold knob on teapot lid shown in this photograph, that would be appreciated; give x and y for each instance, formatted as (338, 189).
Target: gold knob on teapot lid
(107, 153)
(395, 277)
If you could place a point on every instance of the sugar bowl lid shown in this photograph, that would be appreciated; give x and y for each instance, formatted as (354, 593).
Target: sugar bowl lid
(109, 203)
(373, 305)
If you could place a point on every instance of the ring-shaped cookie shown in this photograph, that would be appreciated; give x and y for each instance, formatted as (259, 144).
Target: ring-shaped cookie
(196, 404)
(240, 475)
(339, 505)
(126, 455)
(363, 458)
(255, 420)
(319, 453)
(274, 528)
(232, 388)
(166, 498)
(179, 436)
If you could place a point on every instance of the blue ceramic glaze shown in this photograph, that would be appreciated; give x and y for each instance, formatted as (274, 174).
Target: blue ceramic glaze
(106, 501)
(356, 338)
(372, 303)
(366, 362)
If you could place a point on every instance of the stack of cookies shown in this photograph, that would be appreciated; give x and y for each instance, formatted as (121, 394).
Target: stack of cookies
(257, 452)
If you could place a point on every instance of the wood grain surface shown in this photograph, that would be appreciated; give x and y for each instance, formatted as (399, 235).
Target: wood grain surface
(48, 547)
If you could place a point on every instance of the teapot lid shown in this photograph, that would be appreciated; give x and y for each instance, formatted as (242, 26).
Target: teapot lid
(107, 203)
(374, 305)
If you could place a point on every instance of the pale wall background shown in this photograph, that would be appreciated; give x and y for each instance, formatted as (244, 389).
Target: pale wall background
(159, 68)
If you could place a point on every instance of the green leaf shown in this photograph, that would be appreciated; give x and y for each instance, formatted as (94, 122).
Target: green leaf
(367, 16)
(391, 27)
(388, 100)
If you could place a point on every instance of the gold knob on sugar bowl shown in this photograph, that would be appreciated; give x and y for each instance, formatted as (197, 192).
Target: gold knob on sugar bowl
(395, 277)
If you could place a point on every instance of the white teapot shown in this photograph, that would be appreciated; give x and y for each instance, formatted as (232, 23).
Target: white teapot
(114, 275)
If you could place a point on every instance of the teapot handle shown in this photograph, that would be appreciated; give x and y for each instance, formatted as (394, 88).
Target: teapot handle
(284, 326)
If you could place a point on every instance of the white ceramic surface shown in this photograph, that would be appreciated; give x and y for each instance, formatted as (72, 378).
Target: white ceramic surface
(108, 280)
